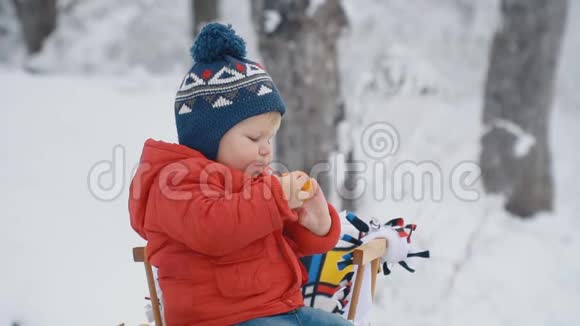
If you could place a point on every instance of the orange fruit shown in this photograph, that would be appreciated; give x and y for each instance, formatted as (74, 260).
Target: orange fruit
(307, 187)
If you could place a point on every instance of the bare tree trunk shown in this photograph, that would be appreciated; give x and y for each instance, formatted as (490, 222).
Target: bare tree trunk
(4, 15)
(298, 46)
(350, 182)
(37, 19)
(515, 157)
(203, 12)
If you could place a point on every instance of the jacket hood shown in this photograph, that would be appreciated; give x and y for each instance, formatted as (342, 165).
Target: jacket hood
(155, 156)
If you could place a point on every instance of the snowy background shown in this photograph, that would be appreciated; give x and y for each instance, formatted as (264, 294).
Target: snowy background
(106, 81)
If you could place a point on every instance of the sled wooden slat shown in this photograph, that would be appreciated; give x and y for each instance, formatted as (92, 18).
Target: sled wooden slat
(140, 256)
(368, 252)
(375, 268)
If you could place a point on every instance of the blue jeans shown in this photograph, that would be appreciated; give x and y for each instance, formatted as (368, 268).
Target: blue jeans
(299, 317)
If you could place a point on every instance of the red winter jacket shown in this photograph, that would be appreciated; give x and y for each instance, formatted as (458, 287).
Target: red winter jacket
(226, 244)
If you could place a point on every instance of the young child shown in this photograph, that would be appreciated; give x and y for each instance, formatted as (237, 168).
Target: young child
(224, 233)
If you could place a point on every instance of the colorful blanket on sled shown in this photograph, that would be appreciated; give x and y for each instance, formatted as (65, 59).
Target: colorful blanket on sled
(330, 275)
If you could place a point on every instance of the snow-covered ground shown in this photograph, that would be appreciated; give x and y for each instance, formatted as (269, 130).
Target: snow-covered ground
(65, 240)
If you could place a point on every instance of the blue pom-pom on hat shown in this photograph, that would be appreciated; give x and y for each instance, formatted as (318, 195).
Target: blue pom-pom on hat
(215, 41)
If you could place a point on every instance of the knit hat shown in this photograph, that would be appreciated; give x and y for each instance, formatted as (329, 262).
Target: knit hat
(220, 90)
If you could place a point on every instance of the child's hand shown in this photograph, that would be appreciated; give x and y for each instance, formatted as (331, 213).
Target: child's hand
(292, 184)
(314, 213)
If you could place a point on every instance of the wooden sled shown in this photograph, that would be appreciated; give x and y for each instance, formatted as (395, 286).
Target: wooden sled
(366, 256)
